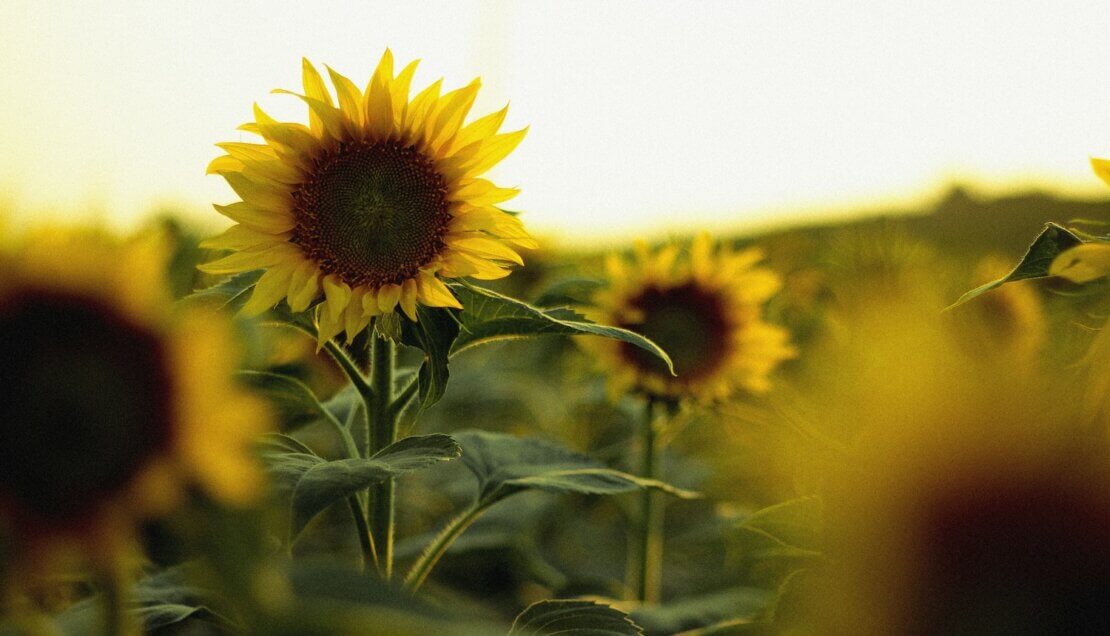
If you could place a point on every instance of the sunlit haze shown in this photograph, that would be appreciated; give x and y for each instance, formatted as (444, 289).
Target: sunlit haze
(645, 117)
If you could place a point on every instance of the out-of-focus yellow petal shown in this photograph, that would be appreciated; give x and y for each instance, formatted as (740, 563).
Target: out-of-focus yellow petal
(1101, 168)
(1083, 263)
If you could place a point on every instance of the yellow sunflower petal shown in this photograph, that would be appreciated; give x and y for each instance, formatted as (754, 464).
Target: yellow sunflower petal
(388, 296)
(1101, 168)
(224, 164)
(432, 292)
(270, 289)
(481, 192)
(350, 98)
(408, 298)
(450, 113)
(247, 260)
(354, 318)
(494, 150)
(304, 286)
(241, 237)
(485, 247)
(263, 159)
(400, 90)
(481, 128)
(314, 89)
(336, 293)
(269, 221)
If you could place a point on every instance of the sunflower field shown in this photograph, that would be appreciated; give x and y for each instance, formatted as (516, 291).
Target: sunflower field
(376, 403)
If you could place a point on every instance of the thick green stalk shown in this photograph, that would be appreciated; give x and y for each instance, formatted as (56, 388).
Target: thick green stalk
(382, 433)
(435, 550)
(647, 563)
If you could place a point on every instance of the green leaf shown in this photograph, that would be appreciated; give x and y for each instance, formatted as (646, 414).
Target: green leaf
(488, 316)
(585, 618)
(732, 607)
(796, 523)
(295, 402)
(504, 465)
(232, 292)
(1053, 240)
(433, 333)
(326, 482)
(576, 291)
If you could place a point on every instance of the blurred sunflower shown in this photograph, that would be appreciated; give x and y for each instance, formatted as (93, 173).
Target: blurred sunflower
(706, 312)
(112, 402)
(987, 512)
(372, 203)
(1010, 321)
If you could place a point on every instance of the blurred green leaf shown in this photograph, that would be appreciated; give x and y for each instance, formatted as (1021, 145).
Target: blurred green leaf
(505, 464)
(730, 607)
(294, 401)
(433, 333)
(326, 482)
(585, 618)
(488, 316)
(796, 523)
(1053, 240)
(577, 291)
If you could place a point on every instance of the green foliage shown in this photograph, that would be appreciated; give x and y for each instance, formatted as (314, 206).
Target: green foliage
(294, 402)
(488, 317)
(731, 607)
(316, 483)
(505, 465)
(1051, 242)
(571, 617)
(433, 333)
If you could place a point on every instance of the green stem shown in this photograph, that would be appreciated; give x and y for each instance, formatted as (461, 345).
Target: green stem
(382, 433)
(405, 395)
(437, 548)
(365, 539)
(648, 564)
(350, 369)
(114, 592)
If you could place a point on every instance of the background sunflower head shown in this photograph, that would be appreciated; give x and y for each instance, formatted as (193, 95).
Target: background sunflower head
(368, 207)
(114, 399)
(704, 309)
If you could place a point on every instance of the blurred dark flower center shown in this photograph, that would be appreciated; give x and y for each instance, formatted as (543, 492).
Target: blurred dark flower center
(689, 323)
(372, 213)
(1016, 557)
(87, 400)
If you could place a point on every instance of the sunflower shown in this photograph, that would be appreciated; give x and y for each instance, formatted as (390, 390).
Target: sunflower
(988, 512)
(706, 312)
(372, 204)
(113, 399)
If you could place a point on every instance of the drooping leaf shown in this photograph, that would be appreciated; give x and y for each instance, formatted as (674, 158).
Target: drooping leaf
(295, 402)
(573, 617)
(488, 316)
(326, 482)
(434, 333)
(1051, 242)
(504, 465)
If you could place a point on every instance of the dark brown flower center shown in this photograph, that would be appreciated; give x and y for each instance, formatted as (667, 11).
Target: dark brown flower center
(1017, 556)
(689, 323)
(86, 402)
(372, 213)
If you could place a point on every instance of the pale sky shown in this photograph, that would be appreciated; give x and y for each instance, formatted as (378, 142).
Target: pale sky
(645, 117)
